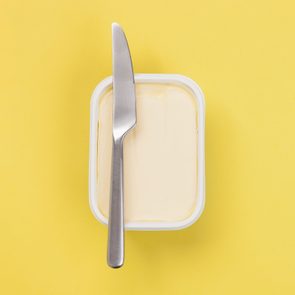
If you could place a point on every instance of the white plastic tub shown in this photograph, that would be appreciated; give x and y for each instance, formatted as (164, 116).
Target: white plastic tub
(195, 180)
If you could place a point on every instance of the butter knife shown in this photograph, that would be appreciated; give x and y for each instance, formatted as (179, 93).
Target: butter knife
(124, 119)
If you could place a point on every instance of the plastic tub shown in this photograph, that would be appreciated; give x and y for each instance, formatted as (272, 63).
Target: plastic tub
(192, 180)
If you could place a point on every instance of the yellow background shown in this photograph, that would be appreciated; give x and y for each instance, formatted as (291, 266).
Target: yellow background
(241, 53)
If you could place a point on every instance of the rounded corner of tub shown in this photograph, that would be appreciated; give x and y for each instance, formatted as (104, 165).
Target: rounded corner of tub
(99, 88)
(195, 215)
(194, 86)
(95, 211)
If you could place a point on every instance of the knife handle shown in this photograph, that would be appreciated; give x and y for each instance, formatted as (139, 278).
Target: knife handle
(115, 255)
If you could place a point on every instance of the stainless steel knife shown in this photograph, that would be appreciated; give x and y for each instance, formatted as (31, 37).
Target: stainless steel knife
(124, 119)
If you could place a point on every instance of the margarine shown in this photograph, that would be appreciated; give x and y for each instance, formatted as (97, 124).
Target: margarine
(160, 154)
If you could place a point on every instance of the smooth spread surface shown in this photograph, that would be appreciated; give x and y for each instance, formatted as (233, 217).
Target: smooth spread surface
(160, 154)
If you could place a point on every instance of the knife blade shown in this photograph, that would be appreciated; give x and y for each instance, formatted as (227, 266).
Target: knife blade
(124, 119)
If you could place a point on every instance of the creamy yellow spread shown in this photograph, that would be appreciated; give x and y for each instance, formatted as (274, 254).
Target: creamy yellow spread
(160, 154)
